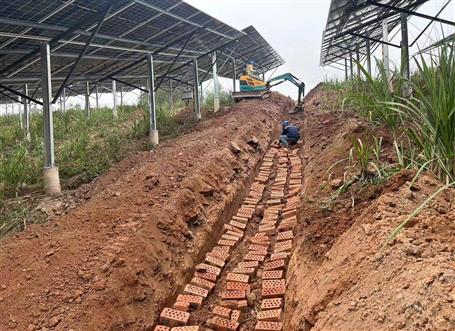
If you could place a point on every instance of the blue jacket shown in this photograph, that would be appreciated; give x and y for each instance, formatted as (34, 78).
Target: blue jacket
(291, 132)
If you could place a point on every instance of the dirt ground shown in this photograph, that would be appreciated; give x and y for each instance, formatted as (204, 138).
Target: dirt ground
(342, 277)
(111, 263)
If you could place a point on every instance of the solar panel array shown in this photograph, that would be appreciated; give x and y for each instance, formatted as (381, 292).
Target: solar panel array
(172, 30)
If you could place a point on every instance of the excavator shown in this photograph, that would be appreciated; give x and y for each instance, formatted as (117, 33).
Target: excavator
(252, 87)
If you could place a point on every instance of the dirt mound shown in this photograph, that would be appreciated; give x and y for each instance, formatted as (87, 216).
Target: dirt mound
(112, 263)
(341, 277)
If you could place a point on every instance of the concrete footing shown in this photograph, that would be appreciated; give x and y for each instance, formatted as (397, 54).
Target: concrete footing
(51, 180)
(154, 139)
(198, 116)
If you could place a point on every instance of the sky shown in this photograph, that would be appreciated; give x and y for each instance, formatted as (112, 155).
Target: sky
(294, 28)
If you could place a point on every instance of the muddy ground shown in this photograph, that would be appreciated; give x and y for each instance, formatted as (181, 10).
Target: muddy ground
(119, 257)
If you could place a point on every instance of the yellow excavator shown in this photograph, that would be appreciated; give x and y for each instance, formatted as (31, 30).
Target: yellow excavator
(253, 87)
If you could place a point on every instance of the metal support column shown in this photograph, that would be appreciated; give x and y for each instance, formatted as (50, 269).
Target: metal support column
(351, 65)
(368, 56)
(50, 174)
(153, 134)
(64, 99)
(234, 76)
(357, 58)
(121, 96)
(97, 97)
(406, 90)
(197, 103)
(385, 52)
(114, 95)
(26, 118)
(87, 99)
(171, 96)
(216, 86)
(346, 73)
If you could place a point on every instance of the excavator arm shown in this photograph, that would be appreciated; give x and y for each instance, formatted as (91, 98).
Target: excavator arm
(294, 80)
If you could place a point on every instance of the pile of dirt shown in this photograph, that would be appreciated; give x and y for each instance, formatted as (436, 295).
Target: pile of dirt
(114, 261)
(342, 274)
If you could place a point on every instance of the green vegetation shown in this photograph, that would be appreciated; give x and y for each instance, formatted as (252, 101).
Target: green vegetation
(225, 99)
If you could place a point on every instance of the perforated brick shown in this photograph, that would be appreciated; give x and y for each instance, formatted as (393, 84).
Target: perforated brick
(182, 306)
(287, 235)
(205, 275)
(259, 248)
(234, 233)
(224, 242)
(268, 326)
(286, 226)
(267, 229)
(235, 315)
(229, 303)
(202, 267)
(249, 264)
(195, 290)
(273, 315)
(223, 249)
(272, 274)
(273, 283)
(239, 225)
(271, 303)
(254, 257)
(214, 261)
(273, 292)
(173, 317)
(246, 271)
(229, 227)
(242, 305)
(241, 219)
(188, 328)
(274, 265)
(283, 246)
(230, 237)
(223, 324)
(273, 202)
(236, 286)
(222, 311)
(218, 255)
(237, 277)
(244, 216)
(161, 328)
(195, 301)
(233, 295)
(279, 256)
(204, 283)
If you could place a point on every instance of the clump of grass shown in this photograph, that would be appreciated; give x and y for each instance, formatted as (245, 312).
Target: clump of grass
(226, 99)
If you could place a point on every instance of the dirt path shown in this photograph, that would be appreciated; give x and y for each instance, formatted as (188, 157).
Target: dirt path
(112, 263)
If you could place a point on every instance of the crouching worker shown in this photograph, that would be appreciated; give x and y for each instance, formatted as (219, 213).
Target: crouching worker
(290, 134)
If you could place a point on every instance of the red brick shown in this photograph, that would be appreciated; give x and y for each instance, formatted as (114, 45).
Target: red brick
(237, 277)
(233, 304)
(254, 257)
(273, 292)
(195, 290)
(272, 274)
(230, 237)
(174, 317)
(268, 326)
(182, 306)
(273, 202)
(222, 311)
(214, 261)
(247, 271)
(202, 267)
(242, 305)
(234, 233)
(267, 229)
(242, 215)
(204, 283)
(195, 301)
(274, 315)
(222, 324)
(233, 295)
(205, 275)
(271, 303)
(289, 213)
(279, 256)
(187, 328)
(287, 235)
(161, 328)
(241, 219)
(283, 246)
(249, 264)
(274, 265)
(273, 283)
(236, 286)
(219, 255)
(258, 248)
(224, 242)
(286, 226)
(239, 225)
(229, 227)
(235, 315)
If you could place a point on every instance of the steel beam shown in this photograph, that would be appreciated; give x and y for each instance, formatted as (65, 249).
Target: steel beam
(22, 95)
(374, 39)
(153, 134)
(196, 97)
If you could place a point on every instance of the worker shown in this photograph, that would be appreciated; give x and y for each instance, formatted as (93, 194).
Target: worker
(290, 134)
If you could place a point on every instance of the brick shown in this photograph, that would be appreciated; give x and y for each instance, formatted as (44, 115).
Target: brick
(283, 246)
(289, 214)
(229, 227)
(222, 324)
(233, 295)
(234, 233)
(279, 256)
(273, 283)
(202, 267)
(273, 315)
(239, 225)
(254, 257)
(187, 328)
(267, 229)
(273, 202)
(173, 317)
(274, 265)
(235, 315)
(222, 311)
(195, 290)
(236, 286)
(221, 249)
(268, 326)
(204, 283)
(205, 275)
(272, 274)
(259, 248)
(249, 264)
(237, 277)
(161, 328)
(287, 235)
(246, 271)
(260, 241)
(195, 301)
(224, 242)
(182, 306)
(273, 292)
(240, 219)
(230, 237)
(233, 304)
(215, 261)
(242, 305)
(218, 255)
(271, 303)
(286, 226)
(242, 216)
